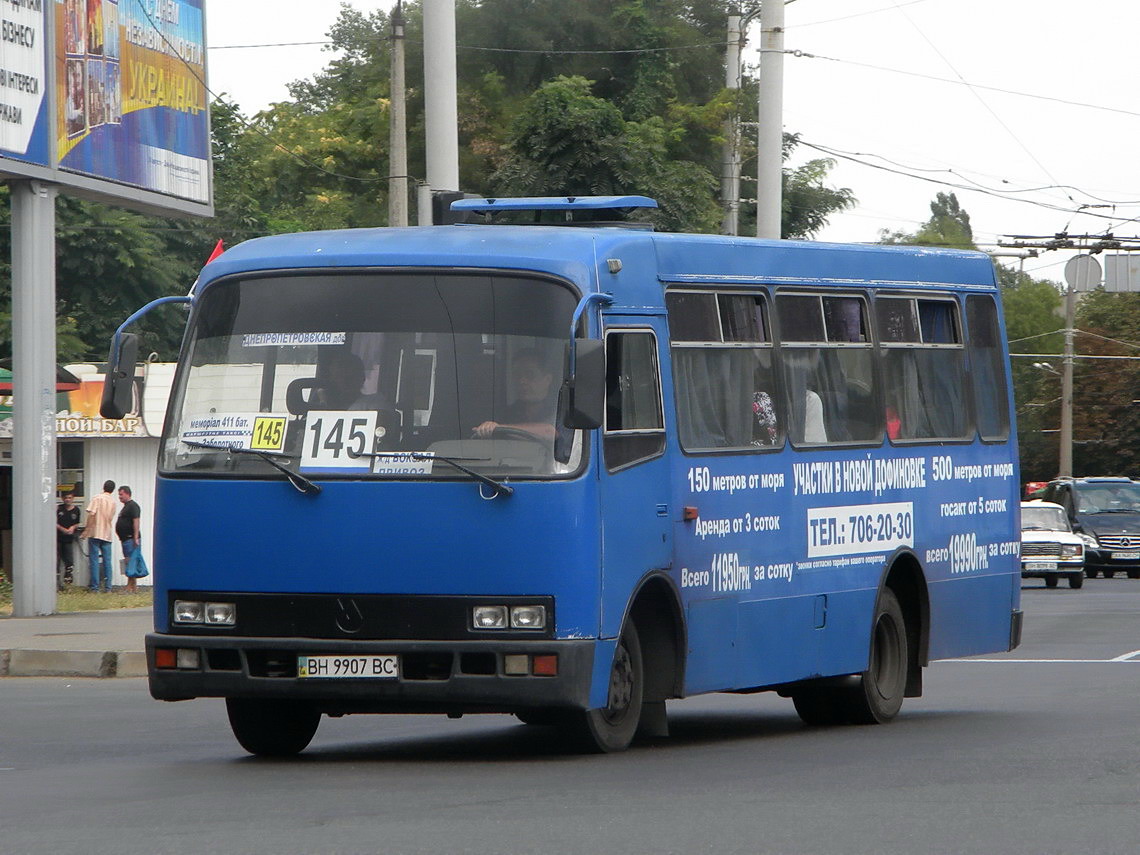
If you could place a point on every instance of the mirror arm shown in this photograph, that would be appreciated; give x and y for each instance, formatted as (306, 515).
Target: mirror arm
(153, 304)
(583, 304)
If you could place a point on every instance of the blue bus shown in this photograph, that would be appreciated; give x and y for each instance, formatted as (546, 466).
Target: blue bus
(570, 471)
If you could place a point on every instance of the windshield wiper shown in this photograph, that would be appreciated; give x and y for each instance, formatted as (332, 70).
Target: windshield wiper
(497, 486)
(299, 481)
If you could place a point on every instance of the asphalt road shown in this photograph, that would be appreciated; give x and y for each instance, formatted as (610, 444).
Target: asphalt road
(1034, 751)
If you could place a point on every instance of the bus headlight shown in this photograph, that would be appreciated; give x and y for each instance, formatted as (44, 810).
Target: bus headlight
(489, 617)
(221, 614)
(187, 611)
(528, 617)
(212, 614)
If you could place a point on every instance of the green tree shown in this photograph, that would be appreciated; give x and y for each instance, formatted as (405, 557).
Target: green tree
(807, 200)
(948, 226)
(1032, 322)
(109, 262)
(567, 141)
(1106, 421)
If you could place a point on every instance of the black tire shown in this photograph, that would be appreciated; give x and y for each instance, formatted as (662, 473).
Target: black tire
(1134, 574)
(1076, 580)
(1108, 574)
(611, 728)
(1090, 573)
(878, 696)
(1051, 581)
(272, 728)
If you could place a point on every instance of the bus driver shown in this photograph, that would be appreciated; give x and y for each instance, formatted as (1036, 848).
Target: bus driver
(535, 403)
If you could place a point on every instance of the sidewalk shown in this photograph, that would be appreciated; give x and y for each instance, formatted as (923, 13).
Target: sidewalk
(75, 644)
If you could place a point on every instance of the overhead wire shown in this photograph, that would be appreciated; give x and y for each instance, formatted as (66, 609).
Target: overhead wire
(832, 152)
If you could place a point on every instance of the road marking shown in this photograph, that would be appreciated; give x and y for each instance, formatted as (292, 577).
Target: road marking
(1127, 657)
(1051, 661)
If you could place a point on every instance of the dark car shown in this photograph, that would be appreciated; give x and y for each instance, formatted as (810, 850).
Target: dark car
(1106, 513)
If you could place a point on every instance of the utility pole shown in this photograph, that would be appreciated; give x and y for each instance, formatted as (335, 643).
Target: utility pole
(730, 158)
(33, 384)
(441, 113)
(397, 127)
(770, 134)
(1082, 273)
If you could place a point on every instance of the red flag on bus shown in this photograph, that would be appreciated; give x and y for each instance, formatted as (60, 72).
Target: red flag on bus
(219, 248)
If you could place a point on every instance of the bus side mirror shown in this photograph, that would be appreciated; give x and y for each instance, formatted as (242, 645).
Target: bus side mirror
(584, 394)
(119, 383)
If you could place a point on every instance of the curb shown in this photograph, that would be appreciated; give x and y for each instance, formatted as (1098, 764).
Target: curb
(71, 663)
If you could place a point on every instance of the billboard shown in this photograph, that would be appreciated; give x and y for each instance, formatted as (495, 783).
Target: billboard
(24, 131)
(108, 97)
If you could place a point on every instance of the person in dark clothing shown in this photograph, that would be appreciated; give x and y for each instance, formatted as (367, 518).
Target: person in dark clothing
(535, 402)
(127, 529)
(66, 522)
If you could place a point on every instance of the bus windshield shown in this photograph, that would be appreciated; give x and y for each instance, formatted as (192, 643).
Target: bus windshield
(375, 375)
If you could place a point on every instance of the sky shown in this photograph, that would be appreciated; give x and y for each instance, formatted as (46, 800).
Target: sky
(1025, 109)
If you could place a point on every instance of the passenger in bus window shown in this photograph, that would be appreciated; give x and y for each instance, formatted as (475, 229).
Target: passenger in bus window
(806, 415)
(894, 423)
(535, 399)
(340, 376)
(814, 428)
(764, 431)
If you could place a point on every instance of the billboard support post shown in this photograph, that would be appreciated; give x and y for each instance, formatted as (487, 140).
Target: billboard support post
(33, 381)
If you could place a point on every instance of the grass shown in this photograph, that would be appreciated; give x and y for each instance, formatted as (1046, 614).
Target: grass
(83, 600)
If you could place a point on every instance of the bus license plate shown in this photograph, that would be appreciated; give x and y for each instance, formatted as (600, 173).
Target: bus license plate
(1126, 556)
(359, 667)
(1040, 565)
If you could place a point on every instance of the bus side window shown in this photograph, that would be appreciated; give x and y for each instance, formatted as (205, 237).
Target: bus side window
(828, 369)
(987, 368)
(724, 379)
(635, 428)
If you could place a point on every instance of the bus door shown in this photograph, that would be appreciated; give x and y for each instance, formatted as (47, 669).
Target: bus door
(634, 490)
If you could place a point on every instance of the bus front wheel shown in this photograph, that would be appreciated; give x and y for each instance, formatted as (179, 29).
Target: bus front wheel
(272, 728)
(612, 727)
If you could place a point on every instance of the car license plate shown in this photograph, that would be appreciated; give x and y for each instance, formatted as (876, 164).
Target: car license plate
(1041, 565)
(359, 667)
(1126, 556)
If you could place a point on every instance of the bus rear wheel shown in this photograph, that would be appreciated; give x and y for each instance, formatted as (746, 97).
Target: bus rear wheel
(876, 695)
(272, 728)
(612, 727)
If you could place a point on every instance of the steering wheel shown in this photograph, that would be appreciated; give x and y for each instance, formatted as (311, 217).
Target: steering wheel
(503, 432)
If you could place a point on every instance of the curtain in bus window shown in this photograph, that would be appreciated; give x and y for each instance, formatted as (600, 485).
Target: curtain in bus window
(936, 318)
(831, 395)
(715, 389)
(851, 412)
(926, 389)
(987, 368)
(802, 380)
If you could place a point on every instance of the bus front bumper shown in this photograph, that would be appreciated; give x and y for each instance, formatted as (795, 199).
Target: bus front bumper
(425, 676)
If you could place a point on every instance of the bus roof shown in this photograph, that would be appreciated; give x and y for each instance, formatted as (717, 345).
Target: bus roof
(572, 252)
